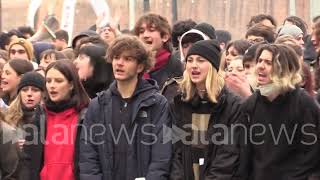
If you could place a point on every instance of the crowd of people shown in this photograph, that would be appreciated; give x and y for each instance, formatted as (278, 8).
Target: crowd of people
(160, 101)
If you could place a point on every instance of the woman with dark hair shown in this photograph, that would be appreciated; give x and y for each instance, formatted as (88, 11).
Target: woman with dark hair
(236, 48)
(54, 154)
(49, 56)
(10, 78)
(94, 40)
(94, 72)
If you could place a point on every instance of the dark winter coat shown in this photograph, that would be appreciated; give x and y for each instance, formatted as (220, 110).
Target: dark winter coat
(287, 154)
(170, 89)
(221, 161)
(174, 68)
(149, 161)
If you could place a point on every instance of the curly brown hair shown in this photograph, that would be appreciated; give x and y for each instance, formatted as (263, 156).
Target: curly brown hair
(160, 23)
(136, 49)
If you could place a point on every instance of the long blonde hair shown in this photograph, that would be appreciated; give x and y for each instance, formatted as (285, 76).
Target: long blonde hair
(214, 84)
(14, 113)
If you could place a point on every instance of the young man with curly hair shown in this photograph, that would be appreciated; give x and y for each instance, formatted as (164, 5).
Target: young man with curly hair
(124, 126)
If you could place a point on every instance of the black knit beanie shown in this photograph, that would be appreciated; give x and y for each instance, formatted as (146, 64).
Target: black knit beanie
(208, 49)
(32, 79)
(95, 52)
(207, 29)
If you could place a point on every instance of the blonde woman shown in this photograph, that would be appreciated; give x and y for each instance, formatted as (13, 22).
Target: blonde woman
(17, 117)
(29, 96)
(204, 102)
(234, 82)
(285, 145)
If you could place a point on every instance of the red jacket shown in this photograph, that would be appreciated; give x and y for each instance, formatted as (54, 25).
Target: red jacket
(59, 147)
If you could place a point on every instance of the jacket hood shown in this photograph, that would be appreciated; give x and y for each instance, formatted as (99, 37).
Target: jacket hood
(192, 31)
(144, 88)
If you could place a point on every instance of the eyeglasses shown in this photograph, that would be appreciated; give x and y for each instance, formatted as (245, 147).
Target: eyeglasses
(19, 51)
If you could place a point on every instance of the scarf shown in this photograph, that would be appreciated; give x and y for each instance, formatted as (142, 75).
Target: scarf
(60, 106)
(162, 58)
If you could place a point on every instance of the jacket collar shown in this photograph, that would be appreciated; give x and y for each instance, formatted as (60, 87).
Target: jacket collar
(143, 91)
(144, 96)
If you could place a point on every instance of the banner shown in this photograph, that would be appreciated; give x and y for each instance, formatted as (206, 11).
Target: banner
(32, 10)
(101, 9)
(67, 19)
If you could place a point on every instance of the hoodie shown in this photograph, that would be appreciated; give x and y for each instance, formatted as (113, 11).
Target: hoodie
(205, 30)
(192, 31)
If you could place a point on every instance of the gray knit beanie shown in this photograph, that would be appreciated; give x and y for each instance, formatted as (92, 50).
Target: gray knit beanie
(289, 29)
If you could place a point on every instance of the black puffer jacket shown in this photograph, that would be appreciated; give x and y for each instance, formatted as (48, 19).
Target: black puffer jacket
(152, 161)
(221, 160)
(283, 141)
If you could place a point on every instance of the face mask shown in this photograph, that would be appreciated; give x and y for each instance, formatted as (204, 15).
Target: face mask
(269, 89)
